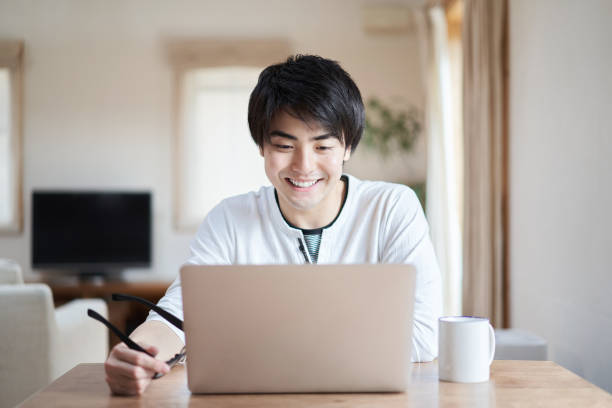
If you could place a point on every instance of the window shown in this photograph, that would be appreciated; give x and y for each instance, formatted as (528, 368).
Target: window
(215, 156)
(10, 136)
(218, 158)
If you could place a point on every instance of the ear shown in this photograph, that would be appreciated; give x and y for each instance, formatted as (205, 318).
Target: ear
(347, 154)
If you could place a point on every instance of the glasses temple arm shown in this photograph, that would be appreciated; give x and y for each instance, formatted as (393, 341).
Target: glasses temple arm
(175, 321)
(129, 342)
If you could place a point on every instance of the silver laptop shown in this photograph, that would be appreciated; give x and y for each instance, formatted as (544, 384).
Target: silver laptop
(298, 328)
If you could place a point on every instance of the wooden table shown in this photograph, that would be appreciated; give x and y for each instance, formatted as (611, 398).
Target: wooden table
(512, 384)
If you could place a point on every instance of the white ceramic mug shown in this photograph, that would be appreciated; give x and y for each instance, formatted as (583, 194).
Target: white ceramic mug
(467, 347)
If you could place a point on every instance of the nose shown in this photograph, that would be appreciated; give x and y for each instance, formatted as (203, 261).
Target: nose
(302, 161)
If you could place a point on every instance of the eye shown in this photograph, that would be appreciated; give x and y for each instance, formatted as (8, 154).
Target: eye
(282, 147)
(325, 147)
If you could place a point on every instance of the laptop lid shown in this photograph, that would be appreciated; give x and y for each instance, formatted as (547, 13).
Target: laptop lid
(298, 328)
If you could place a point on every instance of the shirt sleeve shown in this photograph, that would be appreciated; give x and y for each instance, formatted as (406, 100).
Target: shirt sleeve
(406, 240)
(211, 245)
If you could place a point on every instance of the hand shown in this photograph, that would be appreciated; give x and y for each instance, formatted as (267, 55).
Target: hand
(129, 372)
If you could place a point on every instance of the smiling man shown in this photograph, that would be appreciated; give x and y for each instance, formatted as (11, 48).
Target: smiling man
(307, 117)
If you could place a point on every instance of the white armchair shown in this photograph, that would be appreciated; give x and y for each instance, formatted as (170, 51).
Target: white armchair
(38, 343)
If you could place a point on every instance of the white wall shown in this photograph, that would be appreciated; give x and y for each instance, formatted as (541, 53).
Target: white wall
(561, 179)
(97, 110)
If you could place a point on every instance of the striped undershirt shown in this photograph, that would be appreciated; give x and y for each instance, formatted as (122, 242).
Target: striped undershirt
(313, 242)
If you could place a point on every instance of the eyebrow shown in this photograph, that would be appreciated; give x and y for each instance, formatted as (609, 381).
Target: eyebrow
(291, 137)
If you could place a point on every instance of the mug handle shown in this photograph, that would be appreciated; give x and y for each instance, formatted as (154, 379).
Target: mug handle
(491, 343)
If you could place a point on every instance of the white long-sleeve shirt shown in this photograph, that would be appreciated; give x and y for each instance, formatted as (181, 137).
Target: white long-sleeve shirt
(379, 223)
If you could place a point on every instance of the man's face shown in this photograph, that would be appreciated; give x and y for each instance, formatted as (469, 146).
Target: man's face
(304, 163)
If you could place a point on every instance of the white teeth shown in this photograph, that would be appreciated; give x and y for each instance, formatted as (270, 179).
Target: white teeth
(303, 184)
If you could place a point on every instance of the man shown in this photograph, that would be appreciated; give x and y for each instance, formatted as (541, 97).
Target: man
(307, 117)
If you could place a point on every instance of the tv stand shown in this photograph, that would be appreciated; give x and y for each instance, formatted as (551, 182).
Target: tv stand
(99, 276)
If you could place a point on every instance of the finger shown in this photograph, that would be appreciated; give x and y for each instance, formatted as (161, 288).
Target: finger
(151, 349)
(118, 368)
(119, 346)
(141, 359)
(127, 387)
(119, 389)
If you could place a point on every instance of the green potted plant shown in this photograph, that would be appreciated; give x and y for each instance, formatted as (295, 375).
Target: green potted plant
(390, 130)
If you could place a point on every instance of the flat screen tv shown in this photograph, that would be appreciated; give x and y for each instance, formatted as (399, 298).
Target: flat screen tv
(91, 232)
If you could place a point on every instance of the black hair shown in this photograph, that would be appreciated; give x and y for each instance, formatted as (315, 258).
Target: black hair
(308, 87)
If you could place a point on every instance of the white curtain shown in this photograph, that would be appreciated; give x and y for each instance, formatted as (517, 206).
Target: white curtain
(216, 157)
(443, 176)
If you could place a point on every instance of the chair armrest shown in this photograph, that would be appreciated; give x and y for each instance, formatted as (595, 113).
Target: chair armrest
(27, 330)
(80, 339)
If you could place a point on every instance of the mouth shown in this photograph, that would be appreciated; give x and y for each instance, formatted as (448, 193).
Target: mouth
(301, 184)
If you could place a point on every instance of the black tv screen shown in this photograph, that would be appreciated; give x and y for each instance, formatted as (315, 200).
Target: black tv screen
(91, 230)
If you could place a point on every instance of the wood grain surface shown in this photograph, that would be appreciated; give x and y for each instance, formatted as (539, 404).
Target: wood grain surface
(512, 384)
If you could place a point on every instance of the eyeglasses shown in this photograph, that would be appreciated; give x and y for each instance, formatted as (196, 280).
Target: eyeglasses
(172, 319)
